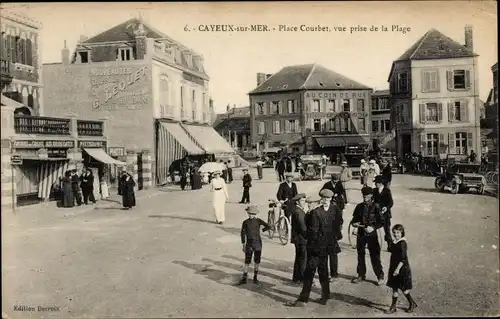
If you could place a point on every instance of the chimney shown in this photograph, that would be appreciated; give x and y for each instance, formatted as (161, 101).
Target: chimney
(65, 54)
(261, 78)
(469, 43)
(140, 41)
(82, 39)
(228, 107)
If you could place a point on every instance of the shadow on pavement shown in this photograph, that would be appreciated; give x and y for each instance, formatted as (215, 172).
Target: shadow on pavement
(428, 190)
(193, 219)
(237, 232)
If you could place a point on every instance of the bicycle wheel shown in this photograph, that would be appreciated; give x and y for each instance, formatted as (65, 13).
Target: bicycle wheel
(271, 223)
(284, 230)
(351, 234)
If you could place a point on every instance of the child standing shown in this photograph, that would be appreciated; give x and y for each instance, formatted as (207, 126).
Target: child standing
(399, 269)
(252, 242)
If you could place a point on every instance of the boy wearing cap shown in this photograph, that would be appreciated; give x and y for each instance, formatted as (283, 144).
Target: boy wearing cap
(338, 190)
(252, 242)
(368, 218)
(286, 191)
(247, 183)
(299, 230)
(383, 197)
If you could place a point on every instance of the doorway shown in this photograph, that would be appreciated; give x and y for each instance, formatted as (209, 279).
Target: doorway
(140, 177)
(406, 144)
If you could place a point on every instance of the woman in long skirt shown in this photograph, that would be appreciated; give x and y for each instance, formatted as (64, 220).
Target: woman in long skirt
(220, 196)
(67, 197)
(126, 189)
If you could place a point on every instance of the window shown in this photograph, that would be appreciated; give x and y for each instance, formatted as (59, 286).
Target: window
(361, 105)
(361, 125)
(459, 79)
(262, 128)
(259, 108)
(387, 124)
(346, 105)
(275, 107)
(383, 103)
(164, 96)
(458, 111)
(193, 96)
(291, 107)
(346, 124)
(403, 82)
(317, 125)
(276, 127)
(292, 126)
(315, 107)
(124, 54)
(330, 106)
(432, 144)
(374, 126)
(431, 112)
(330, 125)
(430, 81)
(182, 101)
(460, 143)
(84, 56)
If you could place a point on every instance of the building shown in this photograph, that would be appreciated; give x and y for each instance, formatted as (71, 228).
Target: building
(383, 134)
(309, 108)
(36, 150)
(490, 122)
(234, 126)
(154, 90)
(435, 94)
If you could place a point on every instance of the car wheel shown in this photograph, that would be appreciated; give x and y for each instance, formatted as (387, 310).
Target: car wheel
(454, 187)
(480, 189)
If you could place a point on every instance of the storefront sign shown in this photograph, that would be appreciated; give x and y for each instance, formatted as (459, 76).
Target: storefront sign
(43, 144)
(193, 78)
(119, 88)
(334, 95)
(16, 160)
(92, 144)
(116, 151)
(57, 152)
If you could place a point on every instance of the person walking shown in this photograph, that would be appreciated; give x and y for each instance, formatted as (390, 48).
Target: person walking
(399, 276)
(259, 165)
(382, 196)
(87, 186)
(298, 237)
(345, 176)
(363, 172)
(220, 196)
(334, 232)
(280, 168)
(184, 171)
(370, 175)
(286, 191)
(387, 174)
(368, 218)
(247, 183)
(126, 190)
(319, 227)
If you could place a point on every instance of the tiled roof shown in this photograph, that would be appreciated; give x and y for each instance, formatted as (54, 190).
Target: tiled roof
(381, 93)
(124, 32)
(307, 77)
(238, 124)
(435, 45)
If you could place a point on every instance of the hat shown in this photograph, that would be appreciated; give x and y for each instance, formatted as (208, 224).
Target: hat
(367, 191)
(379, 179)
(343, 163)
(363, 161)
(245, 169)
(299, 196)
(372, 162)
(326, 193)
(335, 177)
(252, 210)
(313, 199)
(216, 172)
(289, 175)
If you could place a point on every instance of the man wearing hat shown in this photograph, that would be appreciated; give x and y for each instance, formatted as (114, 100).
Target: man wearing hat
(286, 191)
(338, 190)
(321, 230)
(299, 230)
(363, 171)
(247, 183)
(345, 176)
(383, 197)
(368, 218)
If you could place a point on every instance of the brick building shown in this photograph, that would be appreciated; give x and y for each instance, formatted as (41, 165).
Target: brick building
(383, 135)
(309, 108)
(234, 126)
(153, 90)
(435, 94)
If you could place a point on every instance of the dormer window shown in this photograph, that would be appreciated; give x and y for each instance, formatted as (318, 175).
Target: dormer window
(83, 57)
(124, 54)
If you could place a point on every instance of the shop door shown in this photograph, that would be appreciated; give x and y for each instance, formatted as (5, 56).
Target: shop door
(406, 141)
(140, 178)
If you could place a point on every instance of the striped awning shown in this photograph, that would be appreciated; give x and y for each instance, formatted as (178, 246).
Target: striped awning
(49, 173)
(181, 136)
(100, 155)
(330, 141)
(208, 139)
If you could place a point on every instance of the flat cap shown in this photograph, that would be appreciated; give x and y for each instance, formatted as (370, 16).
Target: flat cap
(252, 210)
(372, 161)
(367, 191)
(299, 196)
(379, 179)
(313, 199)
(326, 193)
(343, 163)
(335, 177)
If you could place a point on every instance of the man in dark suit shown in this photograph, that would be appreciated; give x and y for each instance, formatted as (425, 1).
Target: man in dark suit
(286, 191)
(387, 174)
(87, 186)
(247, 183)
(338, 190)
(75, 187)
(280, 168)
(299, 230)
(319, 228)
(383, 197)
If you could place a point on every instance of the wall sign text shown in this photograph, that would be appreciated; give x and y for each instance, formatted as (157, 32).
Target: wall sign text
(43, 144)
(92, 144)
(333, 95)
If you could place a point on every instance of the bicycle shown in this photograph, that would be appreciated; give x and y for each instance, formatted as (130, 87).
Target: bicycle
(352, 233)
(283, 225)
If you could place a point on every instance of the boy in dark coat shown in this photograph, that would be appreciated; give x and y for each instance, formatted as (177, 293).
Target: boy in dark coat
(247, 183)
(338, 190)
(280, 168)
(383, 198)
(286, 191)
(387, 174)
(252, 242)
(299, 230)
(368, 218)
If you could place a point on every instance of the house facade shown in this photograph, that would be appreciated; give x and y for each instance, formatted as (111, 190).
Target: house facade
(309, 109)
(383, 135)
(434, 90)
(234, 126)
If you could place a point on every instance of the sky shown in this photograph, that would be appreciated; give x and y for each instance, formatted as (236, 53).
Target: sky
(232, 59)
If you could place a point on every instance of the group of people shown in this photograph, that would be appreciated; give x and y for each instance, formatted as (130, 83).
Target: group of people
(189, 174)
(74, 189)
(317, 223)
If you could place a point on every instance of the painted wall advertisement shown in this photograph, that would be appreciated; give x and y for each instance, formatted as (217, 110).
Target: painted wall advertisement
(120, 88)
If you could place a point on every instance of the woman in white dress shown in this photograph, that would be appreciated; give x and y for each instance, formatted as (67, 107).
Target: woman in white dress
(220, 196)
(370, 175)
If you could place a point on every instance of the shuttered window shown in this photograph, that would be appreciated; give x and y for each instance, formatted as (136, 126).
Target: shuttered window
(262, 128)
(460, 143)
(315, 106)
(361, 125)
(432, 142)
(330, 106)
(458, 111)
(430, 81)
(276, 127)
(458, 80)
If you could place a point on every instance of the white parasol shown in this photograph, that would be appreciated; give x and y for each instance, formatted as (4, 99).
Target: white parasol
(211, 167)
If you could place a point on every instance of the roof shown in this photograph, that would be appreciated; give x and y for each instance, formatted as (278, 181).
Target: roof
(238, 124)
(490, 97)
(381, 93)
(307, 77)
(435, 45)
(125, 32)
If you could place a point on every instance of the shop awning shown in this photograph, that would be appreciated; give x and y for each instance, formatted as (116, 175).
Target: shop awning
(100, 155)
(330, 141)
(182, 138)
(355, 140)
(208, 139)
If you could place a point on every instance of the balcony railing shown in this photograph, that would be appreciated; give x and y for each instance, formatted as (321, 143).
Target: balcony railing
(89, 128)
(24, 124)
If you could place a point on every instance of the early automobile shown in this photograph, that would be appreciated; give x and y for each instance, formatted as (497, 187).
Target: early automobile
(270, 155)
(311, 167)
(460, 178)
(396, 165)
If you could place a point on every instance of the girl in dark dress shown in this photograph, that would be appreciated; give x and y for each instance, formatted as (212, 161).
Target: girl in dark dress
(399, 269)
